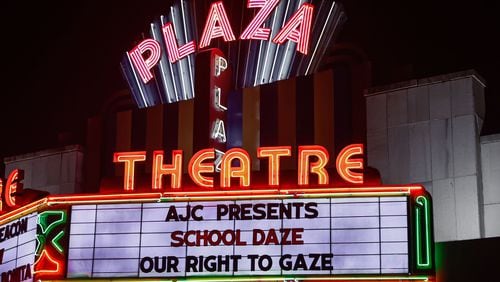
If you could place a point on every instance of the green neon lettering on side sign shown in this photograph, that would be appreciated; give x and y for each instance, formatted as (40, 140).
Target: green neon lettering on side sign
(424, 260)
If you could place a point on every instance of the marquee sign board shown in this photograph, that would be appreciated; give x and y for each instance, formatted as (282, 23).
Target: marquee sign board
(251, 231)
(17, 248)
(302, 236)
(364, 232)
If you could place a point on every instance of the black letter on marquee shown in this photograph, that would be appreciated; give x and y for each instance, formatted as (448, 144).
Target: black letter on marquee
(191, 262)
(143, 264)
(172, 214)
(252, 261)
(269, 262)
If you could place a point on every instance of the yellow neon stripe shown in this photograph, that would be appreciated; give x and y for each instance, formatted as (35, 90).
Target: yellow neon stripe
(22, 211)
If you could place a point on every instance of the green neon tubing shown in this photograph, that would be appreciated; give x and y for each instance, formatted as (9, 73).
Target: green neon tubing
(40, 241)
(56, 244)
(42, 220)
(422, 203)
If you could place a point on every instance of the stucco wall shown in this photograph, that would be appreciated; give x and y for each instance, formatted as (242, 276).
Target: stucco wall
(57, 171)
(427, 131)
(490, 163)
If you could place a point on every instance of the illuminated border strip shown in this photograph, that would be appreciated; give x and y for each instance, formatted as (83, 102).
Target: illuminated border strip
(111, 198)
(250, 194)
(268, 278)
(211, 196)
(22, 211)
(321, 278)
(423, 203)
(332, 192)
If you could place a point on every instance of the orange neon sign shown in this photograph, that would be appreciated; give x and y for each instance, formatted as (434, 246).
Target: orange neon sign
(273, 154)
(236, 164)
(345, 164)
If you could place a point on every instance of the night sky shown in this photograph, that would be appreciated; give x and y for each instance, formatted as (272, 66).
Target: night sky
(61, 58)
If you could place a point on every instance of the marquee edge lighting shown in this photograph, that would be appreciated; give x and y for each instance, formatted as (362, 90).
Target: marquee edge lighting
(22, 211)
(156, 197)
(266, 278)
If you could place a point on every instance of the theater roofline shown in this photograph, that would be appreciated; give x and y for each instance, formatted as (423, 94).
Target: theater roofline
(372, 91)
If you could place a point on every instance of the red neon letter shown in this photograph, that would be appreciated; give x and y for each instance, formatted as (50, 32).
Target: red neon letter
(305, 152)
(129, 158)
(253, 30)
(300, 35)
(13, 185)
(197, 167)
(144, 66)
(174, 169)
(243, 171)
(217, 14)
(345, 164)
(175, 52)
(274, 154)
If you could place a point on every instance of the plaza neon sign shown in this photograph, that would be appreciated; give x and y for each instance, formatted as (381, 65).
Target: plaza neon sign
(297, 29)
(236, 164)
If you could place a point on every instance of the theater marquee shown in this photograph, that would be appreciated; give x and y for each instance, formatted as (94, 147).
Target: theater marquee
(369, 233)
(299, 236)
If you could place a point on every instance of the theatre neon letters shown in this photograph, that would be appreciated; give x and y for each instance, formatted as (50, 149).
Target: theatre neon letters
(311, 160)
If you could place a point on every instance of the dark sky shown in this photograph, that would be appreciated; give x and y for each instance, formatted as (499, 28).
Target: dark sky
(61, 58)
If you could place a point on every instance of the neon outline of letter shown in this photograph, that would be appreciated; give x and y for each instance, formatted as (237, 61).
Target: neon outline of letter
(273, 154)
(219, 131)
(303, 17)
(174, 51)
(129, 158)
(345, 164)
(144, 66)
(318, 167)
(11, 186)
(196, 167)
(160, 169)
(243, 171)
(254, 29)
(216, 14)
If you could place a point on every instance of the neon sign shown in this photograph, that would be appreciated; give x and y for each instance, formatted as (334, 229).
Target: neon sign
(12, 185)
(358, 233)
(276, 40)
(297, 29)
(311, 160)
(17, 249)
